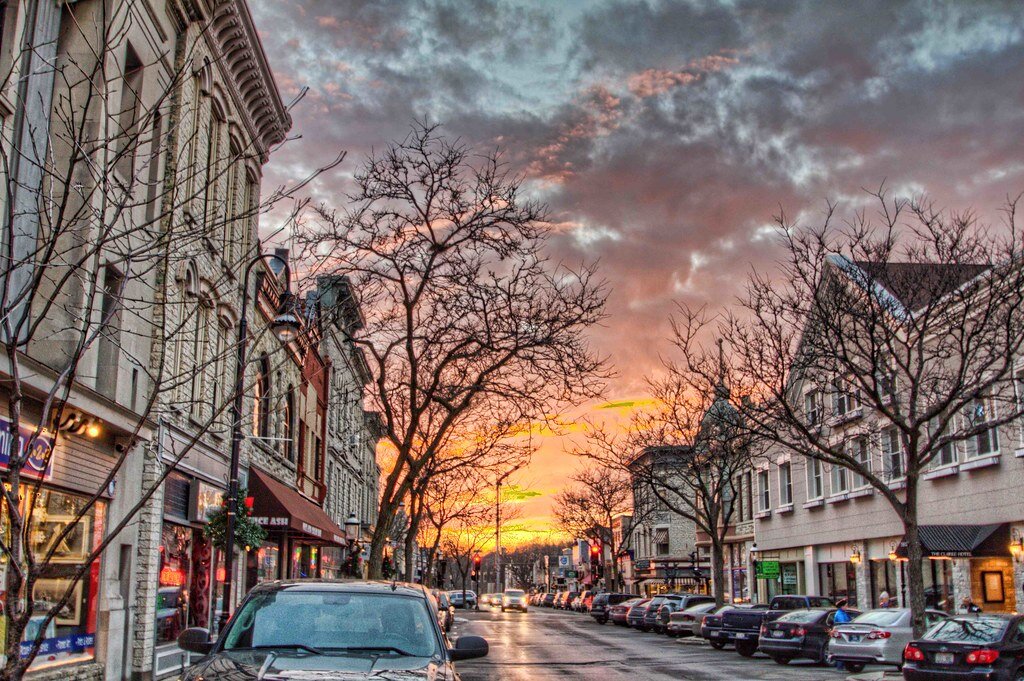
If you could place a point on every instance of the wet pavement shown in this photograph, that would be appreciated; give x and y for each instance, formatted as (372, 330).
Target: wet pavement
(545, 644)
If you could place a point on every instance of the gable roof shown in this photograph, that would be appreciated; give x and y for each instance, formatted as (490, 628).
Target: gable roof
(918, 284)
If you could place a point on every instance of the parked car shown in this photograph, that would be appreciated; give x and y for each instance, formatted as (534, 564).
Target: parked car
(587, 601)
(513, 599)
(742, 626)
(674, 602)
(635, 616)
(548, 600)
(445, 610)
(618, 613)
(799, 634)
(989, 647)
(458, 601)
(685, 623)
(324, 629)
(651, 614)
(566, 601)
(603, 603)
(876, 637)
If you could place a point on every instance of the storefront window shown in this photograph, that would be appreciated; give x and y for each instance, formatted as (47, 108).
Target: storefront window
(883, 578)
(938, 584)
(838, 581)
(175, 573)
(789, 577)
(331, 562)
(71, 635)
(305, 561)
(268, 558)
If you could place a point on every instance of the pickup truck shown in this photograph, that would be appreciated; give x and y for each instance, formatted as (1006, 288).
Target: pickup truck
(742, 627)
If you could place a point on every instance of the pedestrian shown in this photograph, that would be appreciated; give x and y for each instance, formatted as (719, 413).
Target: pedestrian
(842, 617)
(969, 606)
(884, 600)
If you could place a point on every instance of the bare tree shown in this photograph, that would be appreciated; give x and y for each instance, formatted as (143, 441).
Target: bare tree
(93, 231)
(587, 508)
(893, 333)
(462, 306)
(522, 561)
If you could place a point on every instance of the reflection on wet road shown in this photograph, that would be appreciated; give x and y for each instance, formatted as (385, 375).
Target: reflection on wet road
(543, 644)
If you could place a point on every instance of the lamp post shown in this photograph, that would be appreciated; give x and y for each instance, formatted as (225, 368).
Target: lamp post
(351, 535)
(286, 327)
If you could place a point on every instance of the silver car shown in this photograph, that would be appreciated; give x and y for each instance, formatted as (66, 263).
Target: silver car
(875, 637)
(687, 622)
(513, 599)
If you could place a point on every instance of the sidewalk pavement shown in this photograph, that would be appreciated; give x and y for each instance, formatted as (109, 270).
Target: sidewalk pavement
(880, 675)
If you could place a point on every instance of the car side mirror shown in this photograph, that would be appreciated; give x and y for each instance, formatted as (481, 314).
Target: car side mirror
(196, 640)
(468, 648)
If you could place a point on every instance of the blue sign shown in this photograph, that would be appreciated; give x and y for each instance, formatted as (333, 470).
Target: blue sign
(75, 643)
(39, 463)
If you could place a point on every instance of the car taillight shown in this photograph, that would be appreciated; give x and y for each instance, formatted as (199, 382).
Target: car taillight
(764, 630)
(983, 656)
(876, 635)
(798, 631)
(834, 633)
(912, 653)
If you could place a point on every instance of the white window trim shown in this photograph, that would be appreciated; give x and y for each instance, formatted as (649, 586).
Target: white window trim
(807, 474)
(783, 502)
(761, 506)
(852, 480)
(900, 480)
(988, 403)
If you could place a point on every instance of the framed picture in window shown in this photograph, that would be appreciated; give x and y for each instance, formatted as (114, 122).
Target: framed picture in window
(71, 549)
(992, 586)
(48, 592)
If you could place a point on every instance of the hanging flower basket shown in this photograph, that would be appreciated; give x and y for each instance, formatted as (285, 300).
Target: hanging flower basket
(248, 534)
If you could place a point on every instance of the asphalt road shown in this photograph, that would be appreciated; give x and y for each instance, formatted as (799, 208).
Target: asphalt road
(543, 644)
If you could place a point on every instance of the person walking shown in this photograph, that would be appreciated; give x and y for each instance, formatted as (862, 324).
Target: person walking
(968, 606)
(884, 600)
(842, 616)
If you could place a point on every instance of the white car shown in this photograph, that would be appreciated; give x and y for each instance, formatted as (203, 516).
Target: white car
(513, 599)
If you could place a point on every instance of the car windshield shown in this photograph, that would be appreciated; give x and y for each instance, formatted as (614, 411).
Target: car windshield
(968, 630)
(802, 616)
(322, 621)
(703, 607)
(879, 618)
(515, 593)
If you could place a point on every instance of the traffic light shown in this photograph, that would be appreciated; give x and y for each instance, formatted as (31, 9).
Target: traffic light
(476, 566)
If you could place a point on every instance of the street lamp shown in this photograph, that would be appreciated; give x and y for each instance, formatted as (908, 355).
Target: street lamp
(286, 326)
(351, 535)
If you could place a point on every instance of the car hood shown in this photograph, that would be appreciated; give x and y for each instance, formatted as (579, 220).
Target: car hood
(266, 665)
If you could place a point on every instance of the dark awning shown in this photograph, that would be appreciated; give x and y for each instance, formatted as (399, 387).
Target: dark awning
(961, 541)
(277, 506)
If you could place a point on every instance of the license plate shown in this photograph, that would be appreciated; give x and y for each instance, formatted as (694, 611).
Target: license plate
(854, 638)
(741, 635)
(943, 658)
(778, 633)
(715, 634)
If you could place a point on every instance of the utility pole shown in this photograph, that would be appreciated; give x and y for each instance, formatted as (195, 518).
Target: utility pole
(497, 529)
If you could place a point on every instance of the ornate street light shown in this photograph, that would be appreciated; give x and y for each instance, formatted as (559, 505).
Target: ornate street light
(286, 326)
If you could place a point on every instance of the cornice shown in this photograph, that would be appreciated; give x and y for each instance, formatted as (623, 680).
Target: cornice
(242, 56)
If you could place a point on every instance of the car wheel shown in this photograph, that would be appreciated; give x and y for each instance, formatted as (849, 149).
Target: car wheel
(746, 648)
(503, 608)
(717, 645)
(602, 620)
(782, 660)
(855, 667)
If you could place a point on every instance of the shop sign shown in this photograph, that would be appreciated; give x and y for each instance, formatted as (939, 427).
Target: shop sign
(767, 569)
(789, 578)
(40, 460)
(270, 522)
(570, 574)
(74, 643)
(642, 564)
(310, 529)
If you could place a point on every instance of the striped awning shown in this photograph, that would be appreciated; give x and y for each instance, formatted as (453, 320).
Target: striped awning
(661, 535)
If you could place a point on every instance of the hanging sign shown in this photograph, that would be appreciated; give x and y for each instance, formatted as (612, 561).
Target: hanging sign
(39, 463)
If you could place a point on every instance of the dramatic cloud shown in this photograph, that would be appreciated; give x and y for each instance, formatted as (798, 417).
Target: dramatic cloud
(665, 135)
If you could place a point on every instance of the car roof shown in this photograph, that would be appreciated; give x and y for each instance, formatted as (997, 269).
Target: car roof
(343, 586)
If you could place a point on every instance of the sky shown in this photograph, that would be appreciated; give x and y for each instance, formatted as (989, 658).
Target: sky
(664, 136)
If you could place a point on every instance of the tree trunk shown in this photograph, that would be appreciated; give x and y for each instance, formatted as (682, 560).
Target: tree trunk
(410, 548)
(718, 569)
(915, 571)
(375, 562)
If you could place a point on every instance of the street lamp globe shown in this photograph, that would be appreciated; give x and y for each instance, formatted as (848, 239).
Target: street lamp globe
(352, 526)
(286, 325)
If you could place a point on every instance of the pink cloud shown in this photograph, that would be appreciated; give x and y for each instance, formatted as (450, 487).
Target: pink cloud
(650, 82)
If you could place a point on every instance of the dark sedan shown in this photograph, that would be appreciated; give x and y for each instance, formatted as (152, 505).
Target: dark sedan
(330, 630)
(976, 647)
(651, 614)
(711, 625)
(548, 601)
(601, 607)
(635, 616)
(618, 613)
(800, 634)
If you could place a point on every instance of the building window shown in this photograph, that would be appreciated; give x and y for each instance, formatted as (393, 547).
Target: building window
(128, 117)
(982, 412)
(839, 480)
(815, 482)
(261, 399)
(859, 452)
(886, 383)
(740, 508)
(844, 399)
(1018, 393)
(748, 486)
(786, 484)
(109, 351)
(288, 436)
(764, 495)
(220, 378)
(661, 547)
(812, 408)
(892, 453)
(199, 343)
(946, 454)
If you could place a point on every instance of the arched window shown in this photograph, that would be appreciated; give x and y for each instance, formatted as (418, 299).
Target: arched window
(287, 437)
(261, 399)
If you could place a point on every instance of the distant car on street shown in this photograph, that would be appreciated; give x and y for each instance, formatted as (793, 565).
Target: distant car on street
(636, 614)
(674, 602)
(876, 637)
(742, 626)
(513, 599)
(618, 614)
(305, 629)
(968, 648)
(686, 623)
(457, 598)
(548, 600)
(601, 607)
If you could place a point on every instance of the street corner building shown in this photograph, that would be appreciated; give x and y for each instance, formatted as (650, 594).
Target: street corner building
(135, 449)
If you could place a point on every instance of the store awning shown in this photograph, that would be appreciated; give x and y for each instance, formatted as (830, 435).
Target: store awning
(277, 506)
(961, 541)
